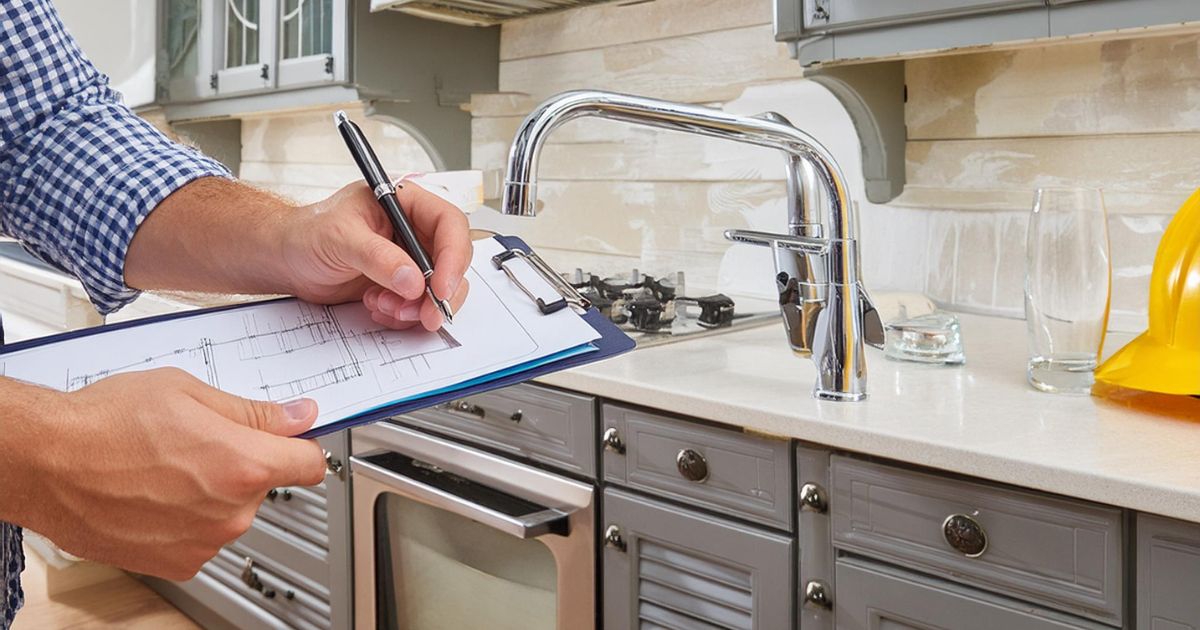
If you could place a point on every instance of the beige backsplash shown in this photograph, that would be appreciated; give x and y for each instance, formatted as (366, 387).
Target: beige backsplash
(985, 129)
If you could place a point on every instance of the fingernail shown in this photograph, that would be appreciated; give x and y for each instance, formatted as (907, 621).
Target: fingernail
(300, 409)
(407, 281)
(409, 312)
(454, 282)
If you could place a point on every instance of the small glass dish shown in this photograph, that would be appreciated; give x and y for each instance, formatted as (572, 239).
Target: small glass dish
(930, 338)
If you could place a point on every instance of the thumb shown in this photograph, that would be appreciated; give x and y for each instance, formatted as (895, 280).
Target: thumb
(288, 419)
(384, 262)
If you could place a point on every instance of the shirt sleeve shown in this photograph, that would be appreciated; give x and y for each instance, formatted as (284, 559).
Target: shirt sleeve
(79, 171)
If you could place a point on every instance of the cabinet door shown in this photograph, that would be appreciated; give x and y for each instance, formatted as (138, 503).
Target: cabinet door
(312, 41)
(246, 36)
(669, 567)
(873, 596)
(1168, 570)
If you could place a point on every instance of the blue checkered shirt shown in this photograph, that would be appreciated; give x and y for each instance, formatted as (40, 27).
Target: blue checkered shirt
(78, 174)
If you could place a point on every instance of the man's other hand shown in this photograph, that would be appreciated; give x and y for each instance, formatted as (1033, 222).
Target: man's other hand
(155, 471)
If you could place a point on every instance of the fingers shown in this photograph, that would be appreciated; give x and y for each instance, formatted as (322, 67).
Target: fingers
(381, 260)
(431, 317)
(444, 228)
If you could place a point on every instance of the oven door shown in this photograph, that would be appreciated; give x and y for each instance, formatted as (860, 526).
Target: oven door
(447, 536)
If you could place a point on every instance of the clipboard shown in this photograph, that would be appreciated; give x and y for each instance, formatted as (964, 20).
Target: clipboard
(611, 341)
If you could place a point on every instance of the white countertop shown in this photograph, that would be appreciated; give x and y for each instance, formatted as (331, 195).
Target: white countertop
(981, 419)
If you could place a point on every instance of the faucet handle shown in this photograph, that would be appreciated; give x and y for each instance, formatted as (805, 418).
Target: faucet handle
(801, 244)
(872, 325)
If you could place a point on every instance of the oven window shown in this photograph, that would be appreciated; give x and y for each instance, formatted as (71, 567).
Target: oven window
(440, 571)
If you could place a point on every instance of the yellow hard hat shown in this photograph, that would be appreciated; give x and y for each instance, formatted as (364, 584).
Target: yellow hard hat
(1166, 358)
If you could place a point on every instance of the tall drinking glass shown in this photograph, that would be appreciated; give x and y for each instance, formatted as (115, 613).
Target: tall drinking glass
(1067, 280)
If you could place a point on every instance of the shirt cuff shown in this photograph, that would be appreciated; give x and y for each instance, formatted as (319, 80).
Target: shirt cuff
(90, 178)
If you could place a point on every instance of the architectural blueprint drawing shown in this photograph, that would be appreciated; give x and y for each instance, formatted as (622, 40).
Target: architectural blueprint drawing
(286, 349)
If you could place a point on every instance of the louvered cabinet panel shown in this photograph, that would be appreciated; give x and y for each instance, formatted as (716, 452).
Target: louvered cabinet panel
(668, 567)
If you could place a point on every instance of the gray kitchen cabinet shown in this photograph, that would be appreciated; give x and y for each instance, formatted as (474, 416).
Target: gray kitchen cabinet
(1168, 574)
(671, 567)
(1056, 552)
(874, 596)
(745, 476)
(219, 60)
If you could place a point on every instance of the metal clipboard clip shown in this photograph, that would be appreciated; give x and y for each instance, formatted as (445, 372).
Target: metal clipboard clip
(568, 296)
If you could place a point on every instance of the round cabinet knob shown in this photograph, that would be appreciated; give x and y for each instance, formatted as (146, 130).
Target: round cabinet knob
(812, 498)
(612, 538)
(816, 595)
(965, 535)
(612, 441)
(517, 416)
(692, 465)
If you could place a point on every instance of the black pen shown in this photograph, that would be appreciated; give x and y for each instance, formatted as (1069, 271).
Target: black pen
(385, 193)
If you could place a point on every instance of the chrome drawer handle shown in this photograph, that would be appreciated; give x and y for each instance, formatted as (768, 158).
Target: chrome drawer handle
(465, 408)
(965, 535)
(612, 441)
(612, 538)
(816, 595)
(812, 499)
(692, 465)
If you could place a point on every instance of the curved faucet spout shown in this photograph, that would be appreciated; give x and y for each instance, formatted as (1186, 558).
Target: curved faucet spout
(521, 182)
(831, 302)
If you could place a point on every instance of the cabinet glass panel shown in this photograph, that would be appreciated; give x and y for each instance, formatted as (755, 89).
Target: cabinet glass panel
(183, 33)
(241, 32)
(307, 27)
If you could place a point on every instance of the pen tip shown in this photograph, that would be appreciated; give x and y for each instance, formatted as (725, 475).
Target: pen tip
(340, 117)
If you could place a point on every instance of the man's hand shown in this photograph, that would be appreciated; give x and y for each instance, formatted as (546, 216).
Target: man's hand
(341, 249)
(222, 236)
(151, 471)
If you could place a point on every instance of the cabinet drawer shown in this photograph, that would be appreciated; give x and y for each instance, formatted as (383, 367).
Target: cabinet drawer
(1057, 552)
(725, 471)
(876, 597)
(541, 424)
(300, 512)
(294, 600)
(1168, 570)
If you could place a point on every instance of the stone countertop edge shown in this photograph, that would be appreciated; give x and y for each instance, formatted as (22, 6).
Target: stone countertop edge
(981, 420)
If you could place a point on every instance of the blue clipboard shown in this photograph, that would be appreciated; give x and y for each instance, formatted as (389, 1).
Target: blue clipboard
(612, 342)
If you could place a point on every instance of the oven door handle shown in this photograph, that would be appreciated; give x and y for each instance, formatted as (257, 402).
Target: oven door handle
(535, 523)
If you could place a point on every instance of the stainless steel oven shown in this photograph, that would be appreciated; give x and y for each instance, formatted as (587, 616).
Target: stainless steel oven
(446, 535)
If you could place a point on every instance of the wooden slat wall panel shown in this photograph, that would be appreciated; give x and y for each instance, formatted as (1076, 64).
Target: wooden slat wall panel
(611, 24)
(1142, 173)
(1149, 85)
(702, 68)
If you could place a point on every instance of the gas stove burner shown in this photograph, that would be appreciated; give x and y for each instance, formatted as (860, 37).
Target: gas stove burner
(653, 305)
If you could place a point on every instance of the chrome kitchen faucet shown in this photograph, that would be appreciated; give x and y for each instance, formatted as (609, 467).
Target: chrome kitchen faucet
(825, 308)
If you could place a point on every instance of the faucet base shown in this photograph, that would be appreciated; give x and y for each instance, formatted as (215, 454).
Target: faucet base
(821, 394)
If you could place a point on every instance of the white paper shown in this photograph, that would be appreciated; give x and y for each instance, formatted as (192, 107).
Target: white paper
(333, 354)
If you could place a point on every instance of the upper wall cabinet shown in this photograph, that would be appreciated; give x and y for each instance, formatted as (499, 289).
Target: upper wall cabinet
(820, 31)
(229, 58)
